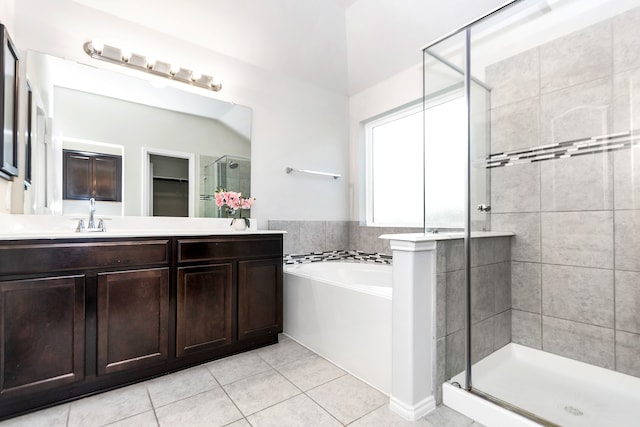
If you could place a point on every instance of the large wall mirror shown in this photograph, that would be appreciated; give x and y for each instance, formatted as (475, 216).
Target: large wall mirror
(176, 146)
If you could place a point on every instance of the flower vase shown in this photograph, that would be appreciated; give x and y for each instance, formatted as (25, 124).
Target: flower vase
(239, 224)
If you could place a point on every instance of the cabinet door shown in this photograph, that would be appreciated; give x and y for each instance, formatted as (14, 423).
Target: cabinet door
(107, 178)
(42, 334)
(78, 176)
(133, 314)
(88, 175)
(259, 297)
(205, 308)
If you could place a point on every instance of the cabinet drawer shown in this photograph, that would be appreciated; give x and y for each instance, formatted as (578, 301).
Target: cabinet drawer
(214, 249)
(46, 257)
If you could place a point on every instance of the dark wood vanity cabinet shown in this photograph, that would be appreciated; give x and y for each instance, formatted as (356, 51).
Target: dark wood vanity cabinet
(229, 291)
(84, 315)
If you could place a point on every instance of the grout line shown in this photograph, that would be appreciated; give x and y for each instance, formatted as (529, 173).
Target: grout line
(236, 406)
(322, 407)
(364, 415)
(153, 407)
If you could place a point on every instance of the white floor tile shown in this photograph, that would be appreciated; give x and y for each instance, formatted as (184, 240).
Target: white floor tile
(51, 417)
(295, 412)
(385, 417)
(311, 372)
(347, 398)
(146, 419)
(212, 409)
(443, 416)
(285, 352)
(234, 368)
(239, 423)
(106, 408)
(260, 391)
(180, 385)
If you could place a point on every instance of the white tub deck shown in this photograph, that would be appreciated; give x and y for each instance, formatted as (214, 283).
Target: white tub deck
(557, 389)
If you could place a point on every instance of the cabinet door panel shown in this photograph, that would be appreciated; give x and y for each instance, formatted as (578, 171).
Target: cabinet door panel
(205, 308)
(259, 297)
(78, 176)
(133, 314)
(42, 333)
(87, 175)
(107, 178)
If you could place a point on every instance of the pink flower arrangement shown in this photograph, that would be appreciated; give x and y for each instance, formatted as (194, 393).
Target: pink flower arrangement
(232, 201)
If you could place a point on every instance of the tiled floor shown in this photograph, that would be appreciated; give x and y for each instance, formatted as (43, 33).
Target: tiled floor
(280, 385)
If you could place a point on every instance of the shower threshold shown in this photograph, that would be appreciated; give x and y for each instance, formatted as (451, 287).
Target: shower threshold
(559, 390)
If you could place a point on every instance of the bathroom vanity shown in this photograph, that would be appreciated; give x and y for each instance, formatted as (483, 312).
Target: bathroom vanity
(90, 313)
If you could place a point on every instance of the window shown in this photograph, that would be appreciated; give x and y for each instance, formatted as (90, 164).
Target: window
(394, 193)
(396, 153)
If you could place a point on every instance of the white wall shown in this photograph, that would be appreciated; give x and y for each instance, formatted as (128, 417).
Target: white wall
(294, 123)
(401, 89)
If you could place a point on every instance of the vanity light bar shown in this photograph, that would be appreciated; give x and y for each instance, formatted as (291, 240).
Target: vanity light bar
(116, 55)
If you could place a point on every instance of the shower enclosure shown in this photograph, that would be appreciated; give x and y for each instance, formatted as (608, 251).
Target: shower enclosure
(551, 119)
(229, 172)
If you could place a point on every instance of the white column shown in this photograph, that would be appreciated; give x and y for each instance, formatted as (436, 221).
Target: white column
(413, 325)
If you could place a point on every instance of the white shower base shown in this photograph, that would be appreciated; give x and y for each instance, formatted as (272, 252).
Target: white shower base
(555, 388)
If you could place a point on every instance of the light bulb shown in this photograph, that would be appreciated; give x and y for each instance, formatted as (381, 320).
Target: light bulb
(126, 54)
(195, 75)
(97, 44)
(175, 68)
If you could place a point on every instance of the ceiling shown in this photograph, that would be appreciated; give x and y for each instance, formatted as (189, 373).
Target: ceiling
(343, 46)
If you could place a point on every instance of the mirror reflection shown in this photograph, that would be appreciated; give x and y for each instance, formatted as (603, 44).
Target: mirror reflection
(176, 146)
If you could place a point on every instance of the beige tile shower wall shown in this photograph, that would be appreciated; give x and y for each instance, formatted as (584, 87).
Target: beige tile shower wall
(575, 268)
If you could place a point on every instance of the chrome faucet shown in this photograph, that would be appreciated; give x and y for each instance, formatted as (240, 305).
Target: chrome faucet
(91, 226)
(92, 211)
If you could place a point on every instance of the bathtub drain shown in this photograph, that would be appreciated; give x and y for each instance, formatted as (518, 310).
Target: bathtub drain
(573, 411)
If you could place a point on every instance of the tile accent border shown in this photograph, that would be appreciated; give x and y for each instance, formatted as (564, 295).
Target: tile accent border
(360, 256)
(578, 147)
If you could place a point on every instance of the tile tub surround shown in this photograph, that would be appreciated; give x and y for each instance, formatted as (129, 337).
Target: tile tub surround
(305, 237)
(356, 256)
(575, 267)
(283, 384)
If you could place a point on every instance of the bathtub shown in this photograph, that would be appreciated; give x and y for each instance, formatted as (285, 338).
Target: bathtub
(342, 311)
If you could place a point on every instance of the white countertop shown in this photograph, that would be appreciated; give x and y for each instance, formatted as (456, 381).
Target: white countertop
(18, 227)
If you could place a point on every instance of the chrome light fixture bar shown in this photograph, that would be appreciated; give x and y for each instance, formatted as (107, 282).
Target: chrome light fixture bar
(116, 55)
